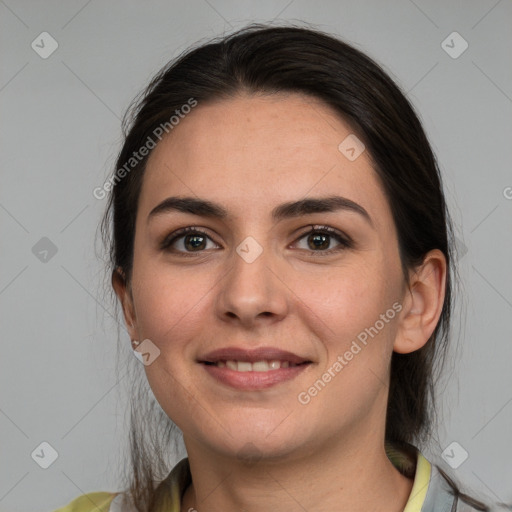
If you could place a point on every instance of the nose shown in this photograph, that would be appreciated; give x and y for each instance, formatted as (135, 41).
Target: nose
(252, 292)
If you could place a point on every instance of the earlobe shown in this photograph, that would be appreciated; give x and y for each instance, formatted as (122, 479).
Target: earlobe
(123, 292)
(423, 303)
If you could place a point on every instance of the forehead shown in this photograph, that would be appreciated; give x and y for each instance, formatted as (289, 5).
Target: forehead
(259, 151)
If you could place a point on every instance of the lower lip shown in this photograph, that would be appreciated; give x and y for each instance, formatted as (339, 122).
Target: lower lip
(253, 380)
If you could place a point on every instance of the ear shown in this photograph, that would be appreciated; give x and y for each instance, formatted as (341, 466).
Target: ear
(422, 304)
(124, 294)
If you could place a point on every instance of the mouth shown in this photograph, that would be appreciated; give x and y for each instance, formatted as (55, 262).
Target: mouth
(257, 366)
(253, 369)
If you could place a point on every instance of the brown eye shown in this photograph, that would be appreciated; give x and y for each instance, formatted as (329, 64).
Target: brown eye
(194, 242)
(187, 240)
(319, 239)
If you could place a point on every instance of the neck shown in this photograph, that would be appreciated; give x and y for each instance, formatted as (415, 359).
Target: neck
(339, 476)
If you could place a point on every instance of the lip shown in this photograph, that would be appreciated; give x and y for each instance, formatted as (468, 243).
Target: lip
(252, 381)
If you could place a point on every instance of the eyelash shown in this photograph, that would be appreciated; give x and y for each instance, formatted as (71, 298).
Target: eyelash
(344, 240)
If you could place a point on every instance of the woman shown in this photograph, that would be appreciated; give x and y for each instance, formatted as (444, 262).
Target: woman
(281, 249)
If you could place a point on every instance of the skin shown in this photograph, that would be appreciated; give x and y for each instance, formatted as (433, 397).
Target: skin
(264, 450)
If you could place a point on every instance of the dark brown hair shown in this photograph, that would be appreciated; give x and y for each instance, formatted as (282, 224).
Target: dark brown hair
(266, 60)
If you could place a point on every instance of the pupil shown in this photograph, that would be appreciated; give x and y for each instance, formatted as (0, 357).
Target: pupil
(195, 242)
(319, 241)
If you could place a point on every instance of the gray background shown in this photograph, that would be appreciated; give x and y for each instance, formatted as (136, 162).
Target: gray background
(60, 132)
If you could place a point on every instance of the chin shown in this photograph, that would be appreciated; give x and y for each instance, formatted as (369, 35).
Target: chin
(251, 445)
(261, 450)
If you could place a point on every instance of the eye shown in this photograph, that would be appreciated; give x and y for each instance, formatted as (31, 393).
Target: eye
(319, 238)
(187, 240)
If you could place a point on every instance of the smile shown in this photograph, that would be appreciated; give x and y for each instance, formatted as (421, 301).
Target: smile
(257, 366)
(254, 369)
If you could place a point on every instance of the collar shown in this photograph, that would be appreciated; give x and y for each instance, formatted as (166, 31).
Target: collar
(430, 491)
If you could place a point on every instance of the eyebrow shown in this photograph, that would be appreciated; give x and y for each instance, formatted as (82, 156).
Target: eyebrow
(205, 208)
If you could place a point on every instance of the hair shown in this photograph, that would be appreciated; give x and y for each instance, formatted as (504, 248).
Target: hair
(263, 59)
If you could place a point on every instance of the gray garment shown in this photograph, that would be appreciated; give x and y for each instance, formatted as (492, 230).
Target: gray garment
(441, 496)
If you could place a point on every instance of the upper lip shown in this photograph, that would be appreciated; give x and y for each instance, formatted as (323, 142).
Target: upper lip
(252, 356)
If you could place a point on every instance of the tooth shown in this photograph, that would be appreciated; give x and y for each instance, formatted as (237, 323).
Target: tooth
(257, 366)
(244, 366)
(232, 365)
(260, 366)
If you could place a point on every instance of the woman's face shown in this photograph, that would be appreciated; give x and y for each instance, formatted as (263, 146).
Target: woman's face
(260, 283)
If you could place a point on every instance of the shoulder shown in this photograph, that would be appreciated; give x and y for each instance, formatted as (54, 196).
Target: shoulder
(433, 489)
(90, 502)
(447, 493)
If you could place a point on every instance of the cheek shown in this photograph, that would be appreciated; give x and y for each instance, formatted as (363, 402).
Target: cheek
(345, 299)
(172, 308)
(169, 303)
(353, 313)
(357, 326)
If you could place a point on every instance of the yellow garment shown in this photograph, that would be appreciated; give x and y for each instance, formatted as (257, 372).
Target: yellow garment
(173, 487)
(91, 502)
